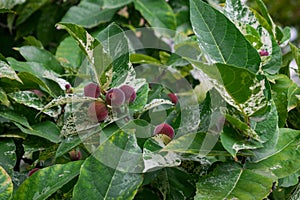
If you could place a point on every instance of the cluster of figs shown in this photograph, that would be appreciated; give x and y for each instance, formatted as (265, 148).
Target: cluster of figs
(117, 97)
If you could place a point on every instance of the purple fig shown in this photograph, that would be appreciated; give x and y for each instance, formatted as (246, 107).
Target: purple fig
(165, 129)
(33, 171)
(75, 155)
(115, 97)
(129, 92)
(173, 98)
(92, 90)
(98, 111)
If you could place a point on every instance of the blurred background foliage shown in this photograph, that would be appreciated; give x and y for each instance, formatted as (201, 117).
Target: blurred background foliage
(37, 18)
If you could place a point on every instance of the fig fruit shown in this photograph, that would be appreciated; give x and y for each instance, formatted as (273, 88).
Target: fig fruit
(129, 92)
(263, 53)
(75, 155)
(173, 98)
(92, 90)
(165, 129)
(98, 111)
(33, 171)
(115, 97)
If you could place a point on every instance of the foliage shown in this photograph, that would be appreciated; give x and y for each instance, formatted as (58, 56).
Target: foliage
(235, 118)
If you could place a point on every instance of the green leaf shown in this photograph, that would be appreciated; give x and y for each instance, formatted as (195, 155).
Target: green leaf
(8, 155)
(296, 54)
(10, 4)
(67, 145)
(68, 98)
(115, 3)
(109, 177)
(31, 100)
(265, 124)
(285, 93)
(88, 14)
(3, 98)
(200, 144)
(226, 84)
(154, 158)
(237, 82)
(143, 59)
(39, 186)
(85, 41)
(34, 54)
(282, 158)
(98, 181)
(114, 41)
(233, 142)
(32, 41)
(48, 16)
(220, 39)
(46, 129)
(231, 181)
(7, 72)
(15, 117)
(28, 9)
(6, 186)
(69, 53)
(273, 65)
(290, 180)
(5, 10)
(264, 12)
(141, 98)
(158, 13)
(35, 82)
(174, 183)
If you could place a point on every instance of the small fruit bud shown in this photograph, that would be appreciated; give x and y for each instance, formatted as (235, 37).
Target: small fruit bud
(75, 155)
(263, 53)
(165, 129)
(129, 92)
(173, 98)
(92, 90)
(67, 86)
(98, 111)
(115, 97)
(33, 171)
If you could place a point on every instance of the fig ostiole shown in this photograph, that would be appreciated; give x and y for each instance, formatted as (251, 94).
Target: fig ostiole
(92, 90)
(115, 97)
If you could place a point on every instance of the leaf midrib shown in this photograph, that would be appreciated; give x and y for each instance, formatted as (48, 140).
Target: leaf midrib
(220, 52)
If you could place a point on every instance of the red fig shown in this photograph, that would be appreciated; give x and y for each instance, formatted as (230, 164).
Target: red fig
(165, 129)
(75, 155)
(92, 90)
(33, 171)
(129, 92)
(115, 97)
(263, 53)
(173, 98)
(98, 111)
